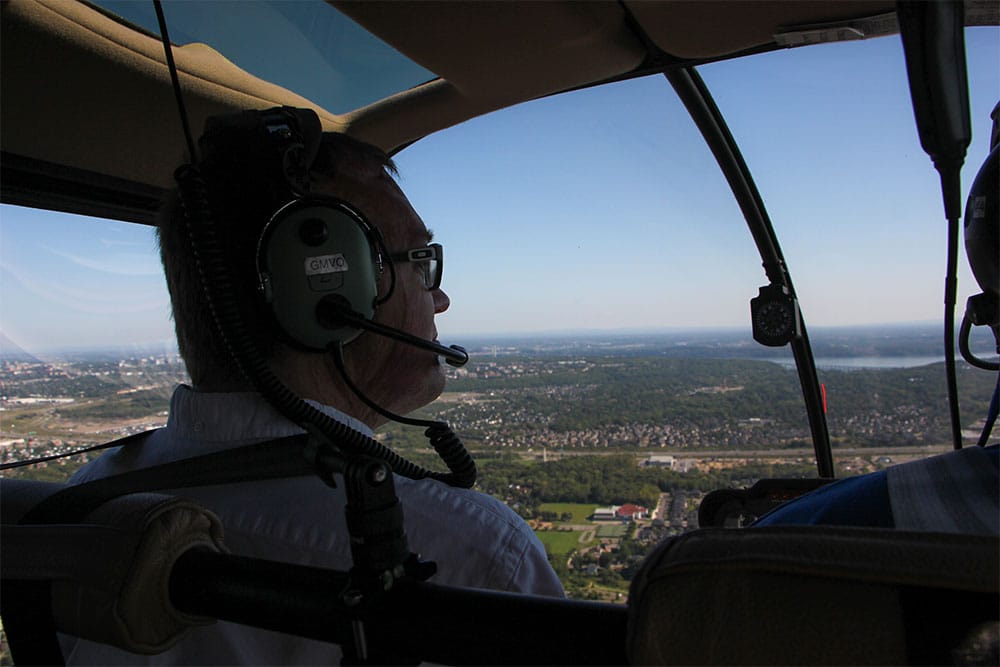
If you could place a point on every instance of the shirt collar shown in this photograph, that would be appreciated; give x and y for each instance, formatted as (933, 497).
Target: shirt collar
(227, 416)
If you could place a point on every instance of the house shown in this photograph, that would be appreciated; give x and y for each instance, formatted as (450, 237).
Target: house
(630, 512)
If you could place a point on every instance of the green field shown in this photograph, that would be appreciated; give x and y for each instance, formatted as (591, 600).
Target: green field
(559, 542)
(581, 512)
(616, 530)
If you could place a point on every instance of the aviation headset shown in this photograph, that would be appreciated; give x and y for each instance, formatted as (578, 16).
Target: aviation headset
(315, 252)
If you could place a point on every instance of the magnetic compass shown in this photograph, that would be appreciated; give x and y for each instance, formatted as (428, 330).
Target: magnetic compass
(775, 316)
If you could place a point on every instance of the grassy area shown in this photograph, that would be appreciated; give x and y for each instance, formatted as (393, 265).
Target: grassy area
(580, 512)
(617, 594)
(559, 542)
(25, 420)
(616, 530)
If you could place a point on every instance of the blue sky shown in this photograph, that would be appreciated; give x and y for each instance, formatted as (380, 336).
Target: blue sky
(602, 209)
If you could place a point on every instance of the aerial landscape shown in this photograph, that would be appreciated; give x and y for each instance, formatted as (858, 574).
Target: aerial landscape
(605, 443)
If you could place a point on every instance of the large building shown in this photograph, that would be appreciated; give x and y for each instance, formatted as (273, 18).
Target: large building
(662, 461)
(626, 512)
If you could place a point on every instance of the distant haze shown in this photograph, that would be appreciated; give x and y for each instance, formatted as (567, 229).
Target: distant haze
(921, 341)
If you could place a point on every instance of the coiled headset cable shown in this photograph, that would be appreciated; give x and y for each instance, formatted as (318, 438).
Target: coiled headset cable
(440, 435)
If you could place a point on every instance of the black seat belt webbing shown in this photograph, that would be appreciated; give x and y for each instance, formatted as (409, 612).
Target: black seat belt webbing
(271, 459)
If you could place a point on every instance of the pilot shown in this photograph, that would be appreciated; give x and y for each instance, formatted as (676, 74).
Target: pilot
(476, 540)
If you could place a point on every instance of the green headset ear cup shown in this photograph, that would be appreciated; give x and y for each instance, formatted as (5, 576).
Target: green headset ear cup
(311, 249)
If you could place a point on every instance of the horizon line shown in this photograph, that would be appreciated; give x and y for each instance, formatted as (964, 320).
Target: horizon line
(170, 345)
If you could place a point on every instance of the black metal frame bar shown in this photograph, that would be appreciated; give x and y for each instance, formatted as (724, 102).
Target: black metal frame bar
(417, 621)
(694, 94)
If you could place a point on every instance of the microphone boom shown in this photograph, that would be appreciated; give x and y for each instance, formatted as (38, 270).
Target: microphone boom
(332, 314)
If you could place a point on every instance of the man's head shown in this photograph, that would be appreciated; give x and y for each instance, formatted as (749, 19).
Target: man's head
(395, 376)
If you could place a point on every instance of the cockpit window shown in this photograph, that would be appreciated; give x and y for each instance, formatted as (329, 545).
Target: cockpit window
(78, 284)
(307, 47)
(829, 136)
(87, 350)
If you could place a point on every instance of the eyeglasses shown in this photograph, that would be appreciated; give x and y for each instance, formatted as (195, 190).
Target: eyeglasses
(431, 260)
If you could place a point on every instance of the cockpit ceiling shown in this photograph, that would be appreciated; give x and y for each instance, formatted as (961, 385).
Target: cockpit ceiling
(697, 30)
(494, 54)
(82, 91)
(503, 50)
(461, 41)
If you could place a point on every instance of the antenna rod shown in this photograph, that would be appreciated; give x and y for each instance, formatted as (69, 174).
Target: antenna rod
(175, 80)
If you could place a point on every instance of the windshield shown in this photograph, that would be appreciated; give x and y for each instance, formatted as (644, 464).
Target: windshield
(306, 46)
(599, 273)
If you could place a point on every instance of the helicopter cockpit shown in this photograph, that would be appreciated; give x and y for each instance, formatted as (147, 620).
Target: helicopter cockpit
(103, 100)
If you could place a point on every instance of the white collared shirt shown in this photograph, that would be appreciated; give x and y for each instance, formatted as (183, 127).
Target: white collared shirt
(475, 539)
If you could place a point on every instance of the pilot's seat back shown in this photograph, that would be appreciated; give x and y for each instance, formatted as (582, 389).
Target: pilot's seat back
(816, 595)
(104, 577)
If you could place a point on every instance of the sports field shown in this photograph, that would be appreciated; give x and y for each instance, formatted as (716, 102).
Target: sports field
(615, 530)
(559, 542)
